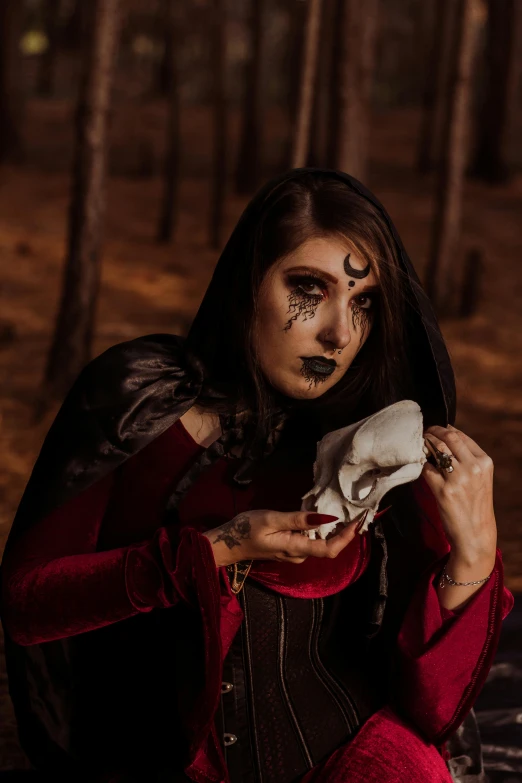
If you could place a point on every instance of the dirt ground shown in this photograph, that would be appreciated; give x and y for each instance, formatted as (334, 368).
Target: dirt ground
(149, 288)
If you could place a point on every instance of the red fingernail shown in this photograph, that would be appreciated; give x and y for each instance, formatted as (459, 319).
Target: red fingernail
(362, 521)
(319, 519)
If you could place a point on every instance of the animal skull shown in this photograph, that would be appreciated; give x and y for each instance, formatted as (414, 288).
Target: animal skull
(358, 464)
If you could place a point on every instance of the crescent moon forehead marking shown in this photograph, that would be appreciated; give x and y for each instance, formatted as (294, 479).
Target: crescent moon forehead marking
(352, 272)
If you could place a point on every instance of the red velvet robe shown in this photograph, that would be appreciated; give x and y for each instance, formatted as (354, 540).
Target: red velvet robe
(109, 554)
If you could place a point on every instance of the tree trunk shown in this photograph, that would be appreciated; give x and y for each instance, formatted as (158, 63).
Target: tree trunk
(75, 39)
(248, 171)
(219, 131)
(307, 85)
(11, 84)
(502, 55)
(370, 15)
(471, 283)
(435, 105)
(71, 347)
(446, 225)
(172, 149)
(292, 69)
(323, 91)
(436, 86)
(424, 18)
(356, 39)
(166, 34)
(77, 26)
(51, 11)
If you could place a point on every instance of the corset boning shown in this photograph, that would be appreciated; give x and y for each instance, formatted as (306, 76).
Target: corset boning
(302, 684)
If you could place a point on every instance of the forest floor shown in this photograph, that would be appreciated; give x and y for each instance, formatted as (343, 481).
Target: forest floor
(149, 288)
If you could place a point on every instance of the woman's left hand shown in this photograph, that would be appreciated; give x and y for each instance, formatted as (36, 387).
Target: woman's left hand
(464, 496)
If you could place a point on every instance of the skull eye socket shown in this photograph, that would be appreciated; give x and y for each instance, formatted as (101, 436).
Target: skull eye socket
(363, 487)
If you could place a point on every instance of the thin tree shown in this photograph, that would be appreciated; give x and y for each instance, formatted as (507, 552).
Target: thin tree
(248, 168)
(423, 19)
(71, 346)
(167, 219)
(11, 87)
(504, 39)
(472, 280)
(446, 224)
(368, 47)
(438, 76)
(77, 25)
(319, 136)
(291, 68)
(352, 82)
(51, 15)
(166, 34)
(219, 118)
(301, 144)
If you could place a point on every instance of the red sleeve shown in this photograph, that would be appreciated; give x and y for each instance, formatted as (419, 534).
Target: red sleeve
(443, 657)
(55, 584)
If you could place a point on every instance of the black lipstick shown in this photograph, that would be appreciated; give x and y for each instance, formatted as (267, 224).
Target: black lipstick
(320, 364)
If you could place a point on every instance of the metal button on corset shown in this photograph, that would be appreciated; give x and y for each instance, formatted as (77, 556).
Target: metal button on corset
(228, 737)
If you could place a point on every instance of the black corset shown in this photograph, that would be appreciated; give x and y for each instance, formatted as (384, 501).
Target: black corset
(297, 683)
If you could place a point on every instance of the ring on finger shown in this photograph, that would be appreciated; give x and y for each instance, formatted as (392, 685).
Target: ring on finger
(442, 458)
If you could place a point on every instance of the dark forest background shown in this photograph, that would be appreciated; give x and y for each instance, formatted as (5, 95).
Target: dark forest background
(133, 133)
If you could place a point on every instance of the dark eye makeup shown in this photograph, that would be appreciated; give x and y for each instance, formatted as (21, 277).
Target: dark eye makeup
(299, 282)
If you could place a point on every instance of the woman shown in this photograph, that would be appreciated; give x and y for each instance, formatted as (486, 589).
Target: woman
(165, 620)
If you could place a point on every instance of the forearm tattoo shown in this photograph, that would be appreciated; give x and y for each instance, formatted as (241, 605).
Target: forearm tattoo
(233, 532)
(304, 303)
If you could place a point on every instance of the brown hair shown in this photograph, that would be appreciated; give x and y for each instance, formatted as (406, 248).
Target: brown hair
(301, 209)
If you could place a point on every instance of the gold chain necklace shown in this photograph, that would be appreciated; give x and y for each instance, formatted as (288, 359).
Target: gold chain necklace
(239, 572)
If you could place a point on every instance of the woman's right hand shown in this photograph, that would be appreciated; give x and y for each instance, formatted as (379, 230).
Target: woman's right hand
(275, 535)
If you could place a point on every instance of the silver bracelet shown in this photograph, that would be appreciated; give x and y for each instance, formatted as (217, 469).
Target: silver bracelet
(451, 582)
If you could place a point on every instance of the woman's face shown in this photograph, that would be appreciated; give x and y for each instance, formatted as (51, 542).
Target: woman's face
(314, 302)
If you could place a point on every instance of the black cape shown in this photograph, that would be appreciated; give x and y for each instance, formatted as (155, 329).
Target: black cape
(119, 403)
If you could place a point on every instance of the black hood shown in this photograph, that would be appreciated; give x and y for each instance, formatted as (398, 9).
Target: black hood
(120, 402)
(135, 390)
(215, 322)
